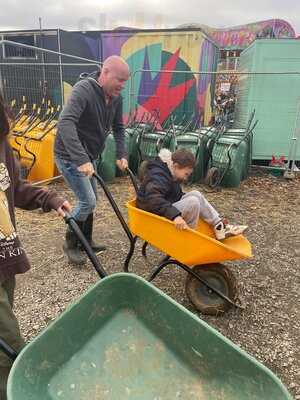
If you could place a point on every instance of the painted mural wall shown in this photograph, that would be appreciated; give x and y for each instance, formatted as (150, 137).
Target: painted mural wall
(153, 53)
(184, 94)
(81, 45)
(242, 36)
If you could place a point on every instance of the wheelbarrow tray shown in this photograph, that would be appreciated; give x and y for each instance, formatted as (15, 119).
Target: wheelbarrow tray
(125, 339)
(191, 246)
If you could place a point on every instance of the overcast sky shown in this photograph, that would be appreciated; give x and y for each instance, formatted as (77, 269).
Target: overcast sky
(108, 14)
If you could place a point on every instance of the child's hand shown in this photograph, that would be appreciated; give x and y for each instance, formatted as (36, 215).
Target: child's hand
(180, 223)
(64, 207)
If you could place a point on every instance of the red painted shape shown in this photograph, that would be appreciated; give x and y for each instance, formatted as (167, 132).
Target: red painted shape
(166, 98)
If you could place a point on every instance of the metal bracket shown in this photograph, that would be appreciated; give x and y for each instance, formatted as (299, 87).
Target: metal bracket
(159, 268)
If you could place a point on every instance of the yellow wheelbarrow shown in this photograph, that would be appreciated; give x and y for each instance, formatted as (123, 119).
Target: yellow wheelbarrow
(210, 285)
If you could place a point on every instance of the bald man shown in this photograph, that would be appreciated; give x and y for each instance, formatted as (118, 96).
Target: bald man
(94, 108)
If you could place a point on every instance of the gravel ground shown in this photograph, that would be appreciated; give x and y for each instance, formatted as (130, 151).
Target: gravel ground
(268, 328)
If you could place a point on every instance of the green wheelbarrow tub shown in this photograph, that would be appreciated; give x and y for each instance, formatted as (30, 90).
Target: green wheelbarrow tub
(125, 339)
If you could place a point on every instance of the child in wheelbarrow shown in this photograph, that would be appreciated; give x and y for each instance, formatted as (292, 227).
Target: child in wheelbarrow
(161, 193)
(15, 192)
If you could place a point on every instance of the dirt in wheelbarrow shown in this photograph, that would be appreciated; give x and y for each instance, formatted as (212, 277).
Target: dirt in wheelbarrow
(269, 284)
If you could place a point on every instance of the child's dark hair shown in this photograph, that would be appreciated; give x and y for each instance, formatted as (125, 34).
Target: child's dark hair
(184, 158)
(4, 122)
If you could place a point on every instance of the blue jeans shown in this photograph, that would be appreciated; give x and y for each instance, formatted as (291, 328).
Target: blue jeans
(84, 188)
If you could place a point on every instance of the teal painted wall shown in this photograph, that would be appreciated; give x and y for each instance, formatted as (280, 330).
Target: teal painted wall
(276, 98)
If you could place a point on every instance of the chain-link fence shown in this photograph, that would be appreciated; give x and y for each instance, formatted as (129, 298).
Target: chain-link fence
(38, 75)
(193, 99)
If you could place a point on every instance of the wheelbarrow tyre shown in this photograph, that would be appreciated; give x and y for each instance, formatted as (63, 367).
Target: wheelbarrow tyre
(212, 177)
(218, 276)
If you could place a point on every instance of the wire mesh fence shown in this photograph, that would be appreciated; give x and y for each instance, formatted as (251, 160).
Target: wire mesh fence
(38, 74)
(186, 99)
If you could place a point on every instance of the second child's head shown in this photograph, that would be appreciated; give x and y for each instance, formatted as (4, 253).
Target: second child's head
(183, 164)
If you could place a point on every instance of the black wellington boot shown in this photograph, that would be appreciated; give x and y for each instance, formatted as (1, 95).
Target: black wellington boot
(88, 233)
(71, 247)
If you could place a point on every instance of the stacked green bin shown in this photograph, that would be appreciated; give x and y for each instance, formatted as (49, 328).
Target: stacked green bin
(230, 156)
(140, 146)
(106, 164)
(210, 135)
(200, 143)
(196, 143)
(106, 167)
(134, 133)
(239, 134)
(148, 142)
(133, 157)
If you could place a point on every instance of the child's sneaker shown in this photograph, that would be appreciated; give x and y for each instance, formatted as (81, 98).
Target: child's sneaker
(220, 230)
(235, 230)
(223, 231)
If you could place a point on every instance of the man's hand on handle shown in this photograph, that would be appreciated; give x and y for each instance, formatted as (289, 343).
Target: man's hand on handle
(87, 169)
(122, 164)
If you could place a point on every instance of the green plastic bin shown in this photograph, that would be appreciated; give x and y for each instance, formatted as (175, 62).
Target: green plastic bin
(230, 156)
(196, 143)
(133, 157)
(106, 164)
(148, 144)
(239, 134)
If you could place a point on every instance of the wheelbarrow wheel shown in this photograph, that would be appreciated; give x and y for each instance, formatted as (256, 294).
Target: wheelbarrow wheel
(204, 299)
(212, 177)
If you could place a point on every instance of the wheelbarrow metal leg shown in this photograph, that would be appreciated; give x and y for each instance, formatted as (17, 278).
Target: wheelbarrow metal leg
(164, 262)
(190, 271)
(130, 254)
(144, 250)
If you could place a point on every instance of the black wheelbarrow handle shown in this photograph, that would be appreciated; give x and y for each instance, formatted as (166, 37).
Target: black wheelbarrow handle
(5, 347)
(133, 179)
(85, 244)
(9, 351)
(114, 204)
